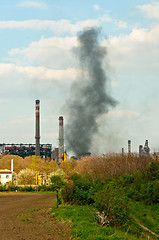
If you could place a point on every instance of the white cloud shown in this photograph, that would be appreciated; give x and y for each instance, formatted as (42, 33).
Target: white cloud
(52, 52)
(60, 27)
(35, 4)
(151, 10)
(136, 53)
(22, 75)
(96, 7)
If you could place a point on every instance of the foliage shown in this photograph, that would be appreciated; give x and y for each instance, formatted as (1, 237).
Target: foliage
(18, 162)
(69, 167)
(57, 172)
(111, 165)
(115, 205)
(57, 182)
(81, 189)
(33, 166)
(152, 171)
(26, 176)
(32, 162)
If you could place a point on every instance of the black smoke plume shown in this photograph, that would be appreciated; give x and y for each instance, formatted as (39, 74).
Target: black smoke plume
(89, 96)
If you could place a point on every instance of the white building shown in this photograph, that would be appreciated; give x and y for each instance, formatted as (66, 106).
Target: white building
(5, 176)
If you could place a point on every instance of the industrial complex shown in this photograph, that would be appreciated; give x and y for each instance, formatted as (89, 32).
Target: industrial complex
(46, 150)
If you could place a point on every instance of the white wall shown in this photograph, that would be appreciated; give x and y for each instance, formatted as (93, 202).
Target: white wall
(5, 178)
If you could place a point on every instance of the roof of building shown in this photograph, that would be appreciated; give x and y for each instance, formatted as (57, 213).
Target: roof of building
(4, 171)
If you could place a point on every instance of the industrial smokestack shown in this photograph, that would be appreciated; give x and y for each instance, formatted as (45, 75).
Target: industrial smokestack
(146, 144)
(140, 149)
(37, 128)
(61, 139)
(129, 146)
(122, 150)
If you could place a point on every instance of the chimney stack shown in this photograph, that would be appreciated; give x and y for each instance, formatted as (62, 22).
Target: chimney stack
(122, 150)
(61, 139)
(37, 128)
(129, 146)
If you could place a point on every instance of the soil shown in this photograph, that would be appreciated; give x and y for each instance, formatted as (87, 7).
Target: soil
(26, 216)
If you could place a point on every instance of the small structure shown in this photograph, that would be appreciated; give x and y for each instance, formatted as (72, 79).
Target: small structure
(5, 176)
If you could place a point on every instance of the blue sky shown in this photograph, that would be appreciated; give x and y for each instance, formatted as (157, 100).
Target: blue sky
(36, 62)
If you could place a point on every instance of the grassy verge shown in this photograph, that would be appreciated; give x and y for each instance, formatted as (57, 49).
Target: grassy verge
(148, 216)
(85, 227)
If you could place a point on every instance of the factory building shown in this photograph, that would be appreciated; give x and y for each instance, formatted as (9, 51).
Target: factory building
(24, 150)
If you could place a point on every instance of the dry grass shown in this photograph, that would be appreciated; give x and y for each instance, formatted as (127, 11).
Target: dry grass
(111, 165)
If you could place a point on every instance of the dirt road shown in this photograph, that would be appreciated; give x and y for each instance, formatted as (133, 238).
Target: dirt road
(25, 216)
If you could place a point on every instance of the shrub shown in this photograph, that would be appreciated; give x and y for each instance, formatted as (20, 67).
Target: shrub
(151, 195)
(115, 206)
(67, 192)
(83, 189)
(57, 182)
(152, 171)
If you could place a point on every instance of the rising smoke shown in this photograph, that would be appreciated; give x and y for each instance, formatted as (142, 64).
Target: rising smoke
(89, 96)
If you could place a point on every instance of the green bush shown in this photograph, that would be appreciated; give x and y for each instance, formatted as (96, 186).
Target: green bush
(81, 189)
(151, 195)
(152, 172)
(67, 192)
(57, 182)
(115, 205)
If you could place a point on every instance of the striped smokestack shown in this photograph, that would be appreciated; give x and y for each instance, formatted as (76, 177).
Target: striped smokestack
(37, 128)
(61, 139)
(129, 146)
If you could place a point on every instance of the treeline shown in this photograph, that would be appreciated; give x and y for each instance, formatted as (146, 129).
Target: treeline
(32, 162)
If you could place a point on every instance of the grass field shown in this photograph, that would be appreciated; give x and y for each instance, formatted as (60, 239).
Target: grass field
(85, 227)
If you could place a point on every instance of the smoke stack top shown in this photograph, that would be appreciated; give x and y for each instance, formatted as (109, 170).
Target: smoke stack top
(89, 97)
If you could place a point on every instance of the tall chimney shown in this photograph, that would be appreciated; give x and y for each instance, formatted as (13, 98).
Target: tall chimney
(61, 139)
(129, 146)
(140, 149)
(37, 128)
(122, 150)
(146, 144)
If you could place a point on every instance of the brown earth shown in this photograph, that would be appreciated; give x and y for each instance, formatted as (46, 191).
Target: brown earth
(26, 216)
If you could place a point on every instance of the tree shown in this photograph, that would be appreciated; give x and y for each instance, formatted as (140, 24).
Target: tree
(57, 184)
(26, 176)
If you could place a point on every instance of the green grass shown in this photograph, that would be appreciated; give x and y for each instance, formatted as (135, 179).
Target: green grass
(85, 227)
(146, 215)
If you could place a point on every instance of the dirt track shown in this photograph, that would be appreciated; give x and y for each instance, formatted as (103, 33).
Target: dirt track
(26, 216)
